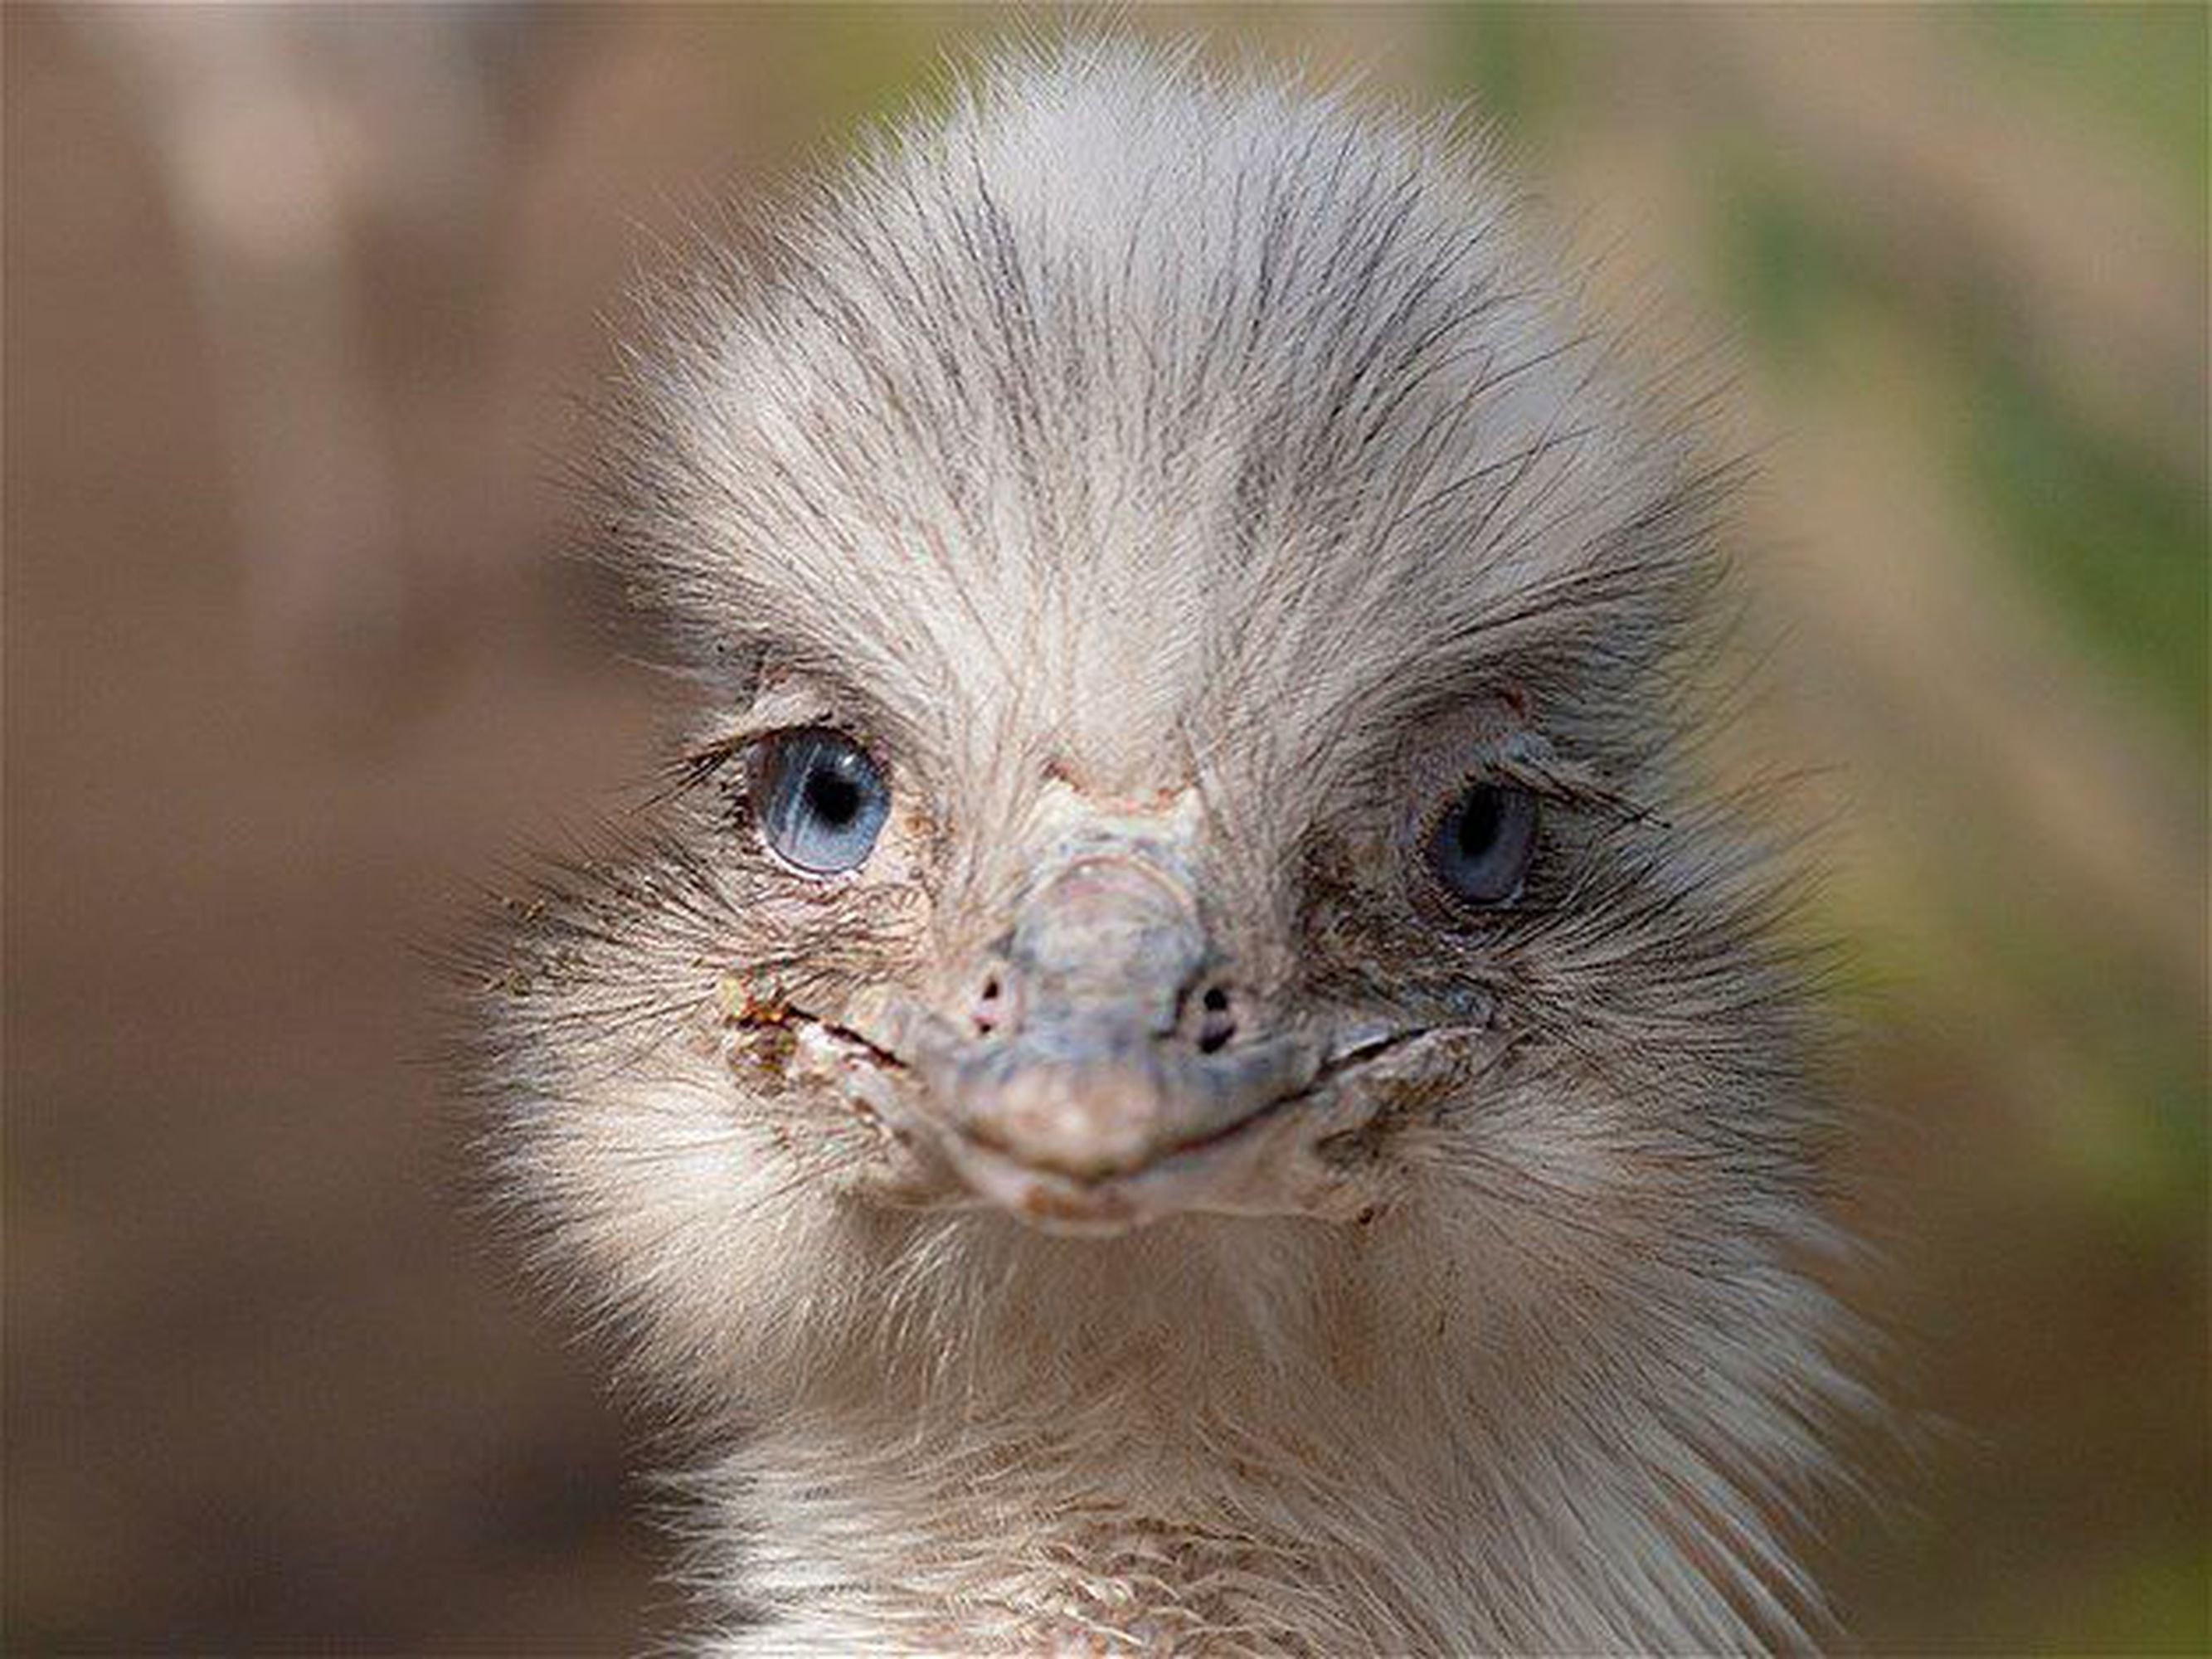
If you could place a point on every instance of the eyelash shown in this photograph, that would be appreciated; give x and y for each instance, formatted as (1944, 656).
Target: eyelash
(1562, 788)
(699, 766)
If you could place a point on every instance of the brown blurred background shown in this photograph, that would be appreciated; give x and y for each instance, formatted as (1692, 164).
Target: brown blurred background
(298, 303)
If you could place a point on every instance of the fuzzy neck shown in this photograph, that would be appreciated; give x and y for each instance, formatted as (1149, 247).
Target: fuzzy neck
(1251, 1440)
(1101, 1515)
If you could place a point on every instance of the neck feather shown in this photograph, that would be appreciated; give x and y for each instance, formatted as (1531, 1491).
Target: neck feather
(1258, 1436)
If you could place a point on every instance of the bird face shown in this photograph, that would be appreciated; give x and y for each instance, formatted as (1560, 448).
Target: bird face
(1108, 1010)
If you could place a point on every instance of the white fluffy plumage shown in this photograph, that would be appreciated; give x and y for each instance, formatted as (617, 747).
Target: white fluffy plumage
(1211, 456)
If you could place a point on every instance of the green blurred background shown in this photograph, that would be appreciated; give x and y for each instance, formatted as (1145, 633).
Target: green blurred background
(298, 302)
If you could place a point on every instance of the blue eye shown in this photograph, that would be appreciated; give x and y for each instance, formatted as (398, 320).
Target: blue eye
(1481, 847)
(819, 800)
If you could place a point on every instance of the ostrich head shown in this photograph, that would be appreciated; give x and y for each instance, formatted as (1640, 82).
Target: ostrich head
(1184, 979)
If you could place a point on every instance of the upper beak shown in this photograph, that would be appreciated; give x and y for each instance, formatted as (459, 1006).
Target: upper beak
(1104, 1078)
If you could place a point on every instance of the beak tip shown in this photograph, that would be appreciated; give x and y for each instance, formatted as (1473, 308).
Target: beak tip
(1086, 1121)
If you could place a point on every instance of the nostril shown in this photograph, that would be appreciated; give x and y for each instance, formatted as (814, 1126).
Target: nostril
(988, 1009)
(1216, 1020)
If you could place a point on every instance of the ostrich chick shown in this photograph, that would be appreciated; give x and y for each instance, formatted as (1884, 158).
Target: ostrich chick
(1185, 1067)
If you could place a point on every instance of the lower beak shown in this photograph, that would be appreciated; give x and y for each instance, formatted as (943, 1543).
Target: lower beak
(1090, 1130)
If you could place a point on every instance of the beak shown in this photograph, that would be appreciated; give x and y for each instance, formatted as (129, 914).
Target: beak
(1104, 1078)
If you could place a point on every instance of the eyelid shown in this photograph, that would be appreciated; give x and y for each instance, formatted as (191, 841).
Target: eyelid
(747, 738)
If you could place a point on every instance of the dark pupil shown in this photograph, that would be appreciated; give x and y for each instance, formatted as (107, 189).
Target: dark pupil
(1478, 823)
(831, 796)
